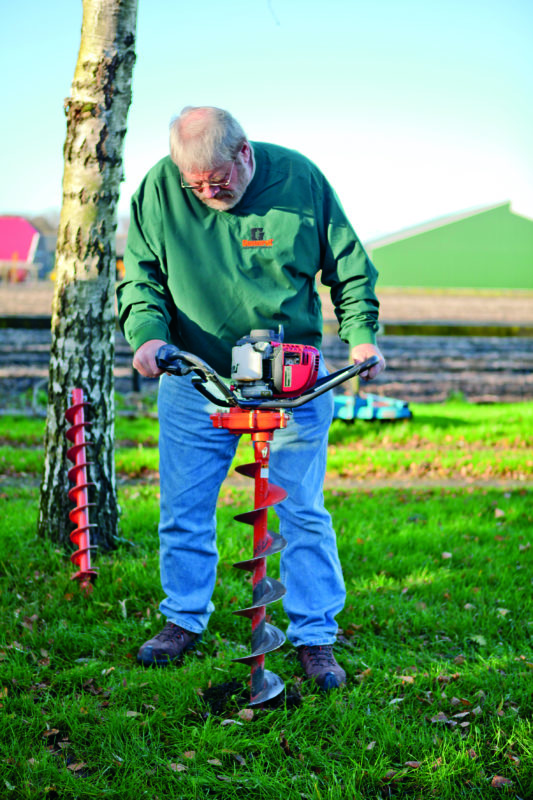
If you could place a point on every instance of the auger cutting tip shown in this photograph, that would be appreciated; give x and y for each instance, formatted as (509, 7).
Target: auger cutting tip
(272, 686)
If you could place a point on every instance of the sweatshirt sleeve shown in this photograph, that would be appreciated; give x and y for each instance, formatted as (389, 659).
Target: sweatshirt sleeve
(351, 276)
(144, 305)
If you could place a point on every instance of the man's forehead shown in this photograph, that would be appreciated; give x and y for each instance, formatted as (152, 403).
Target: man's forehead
(207, 172)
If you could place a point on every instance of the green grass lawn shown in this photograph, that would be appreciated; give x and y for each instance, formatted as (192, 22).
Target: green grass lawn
(441, 441)
(435, 638)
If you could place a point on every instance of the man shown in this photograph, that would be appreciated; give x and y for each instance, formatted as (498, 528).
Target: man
(227, 236)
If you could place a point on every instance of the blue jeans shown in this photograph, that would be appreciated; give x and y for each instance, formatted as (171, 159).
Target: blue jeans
(194, 460)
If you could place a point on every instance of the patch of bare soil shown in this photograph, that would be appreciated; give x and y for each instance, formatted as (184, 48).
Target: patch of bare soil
(510, 308)
(507, 308)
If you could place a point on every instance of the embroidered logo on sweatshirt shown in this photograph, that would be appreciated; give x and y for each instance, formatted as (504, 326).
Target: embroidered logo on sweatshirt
(257, 239)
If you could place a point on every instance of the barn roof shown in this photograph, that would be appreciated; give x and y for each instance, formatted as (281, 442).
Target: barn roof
(440, 222)
(18, 239)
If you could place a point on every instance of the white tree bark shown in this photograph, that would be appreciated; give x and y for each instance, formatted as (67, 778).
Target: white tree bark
(83, 311)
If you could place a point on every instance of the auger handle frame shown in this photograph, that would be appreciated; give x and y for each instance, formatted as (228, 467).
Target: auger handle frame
(178, 362)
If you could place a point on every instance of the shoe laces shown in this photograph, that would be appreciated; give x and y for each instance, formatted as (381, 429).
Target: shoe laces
(320, 656)
(170, 632)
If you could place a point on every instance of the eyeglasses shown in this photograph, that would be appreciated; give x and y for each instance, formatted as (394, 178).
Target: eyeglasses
(221, 184)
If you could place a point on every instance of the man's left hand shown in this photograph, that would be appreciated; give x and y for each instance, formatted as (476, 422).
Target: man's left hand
(361, 352)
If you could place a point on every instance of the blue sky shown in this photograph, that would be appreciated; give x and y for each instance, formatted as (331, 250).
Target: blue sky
(412, 109)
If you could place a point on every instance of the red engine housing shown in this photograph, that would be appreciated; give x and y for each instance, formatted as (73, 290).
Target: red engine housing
(294, 368)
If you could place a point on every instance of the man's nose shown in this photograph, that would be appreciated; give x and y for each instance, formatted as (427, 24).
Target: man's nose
(210, 191)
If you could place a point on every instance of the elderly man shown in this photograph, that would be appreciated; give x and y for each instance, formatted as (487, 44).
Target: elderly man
(227, 236)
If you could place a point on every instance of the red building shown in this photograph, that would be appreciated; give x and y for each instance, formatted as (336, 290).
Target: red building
(18, 245)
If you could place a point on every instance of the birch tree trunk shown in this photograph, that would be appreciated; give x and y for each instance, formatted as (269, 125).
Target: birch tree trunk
(83, 309)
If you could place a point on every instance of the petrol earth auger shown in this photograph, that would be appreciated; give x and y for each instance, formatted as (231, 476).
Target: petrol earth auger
(269, 378)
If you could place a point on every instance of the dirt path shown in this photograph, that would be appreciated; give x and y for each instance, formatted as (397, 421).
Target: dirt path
(396, 306)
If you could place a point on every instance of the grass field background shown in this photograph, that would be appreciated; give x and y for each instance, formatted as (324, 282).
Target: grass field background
(435, 636)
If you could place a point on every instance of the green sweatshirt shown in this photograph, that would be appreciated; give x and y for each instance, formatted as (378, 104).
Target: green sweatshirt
(201, 279)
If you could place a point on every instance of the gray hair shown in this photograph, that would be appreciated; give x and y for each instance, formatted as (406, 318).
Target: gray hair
(202, 137)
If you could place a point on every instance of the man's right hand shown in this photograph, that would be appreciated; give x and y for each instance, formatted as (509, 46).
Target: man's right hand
(144, 358)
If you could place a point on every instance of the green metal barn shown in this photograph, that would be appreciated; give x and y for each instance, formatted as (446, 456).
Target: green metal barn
(489, 248)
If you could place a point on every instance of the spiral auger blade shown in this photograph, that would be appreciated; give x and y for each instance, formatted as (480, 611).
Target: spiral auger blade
(79, 493)
(261, 424)
(265, 685)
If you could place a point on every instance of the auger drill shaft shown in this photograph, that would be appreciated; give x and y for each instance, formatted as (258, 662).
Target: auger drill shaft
(79, 492)
(264, 685)
(258, 619)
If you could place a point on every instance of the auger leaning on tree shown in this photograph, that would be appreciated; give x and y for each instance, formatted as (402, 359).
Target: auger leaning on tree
(227, 236)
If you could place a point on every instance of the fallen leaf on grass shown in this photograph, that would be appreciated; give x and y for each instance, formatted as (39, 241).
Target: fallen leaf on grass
(216, 762)
(499, 513)
(133, 714)
(503, 611)
(231, 722)
(51, 732)
(440, 717)
(371, 746)
(498, 781)
(446, 555)
(29, 622)
(448, 678)
(352, 629)
(406, 678)
(77, 767)
(178, 767)
(471, 753)
(246, 714)
(285, 744)
(189, 754)
(413, 764)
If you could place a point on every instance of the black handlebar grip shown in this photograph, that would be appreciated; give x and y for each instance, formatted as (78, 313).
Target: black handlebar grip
(168, 358)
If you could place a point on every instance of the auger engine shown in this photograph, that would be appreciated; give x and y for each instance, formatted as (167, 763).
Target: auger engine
(263, 366)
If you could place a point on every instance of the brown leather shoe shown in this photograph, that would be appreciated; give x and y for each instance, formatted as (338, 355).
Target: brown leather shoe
(319, 663)
(167, 646)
